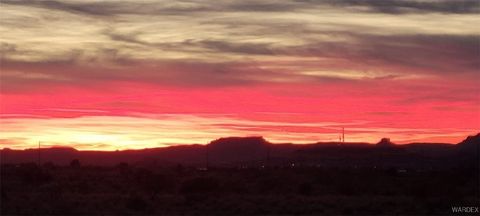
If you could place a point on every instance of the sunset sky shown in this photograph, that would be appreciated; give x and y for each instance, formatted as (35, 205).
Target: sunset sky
(130, 74)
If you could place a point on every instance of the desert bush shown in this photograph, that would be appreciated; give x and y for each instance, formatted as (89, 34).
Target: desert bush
(203, 185)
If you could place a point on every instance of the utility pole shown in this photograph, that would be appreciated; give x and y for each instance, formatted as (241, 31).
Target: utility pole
(343, 134)
(207, 162)
(478, 171)
(3, 157)
(268, 156)
(39, 153)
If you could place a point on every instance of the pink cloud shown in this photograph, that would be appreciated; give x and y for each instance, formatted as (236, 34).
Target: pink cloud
(281, 112)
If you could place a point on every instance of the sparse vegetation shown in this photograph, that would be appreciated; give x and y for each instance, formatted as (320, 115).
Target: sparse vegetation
(127, 189)
(358, 179)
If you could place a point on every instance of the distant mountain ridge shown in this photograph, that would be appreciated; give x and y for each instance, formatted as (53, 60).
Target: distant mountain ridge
(256, 151)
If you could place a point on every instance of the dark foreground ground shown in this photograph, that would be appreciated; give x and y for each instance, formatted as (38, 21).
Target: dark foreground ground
(124, 189)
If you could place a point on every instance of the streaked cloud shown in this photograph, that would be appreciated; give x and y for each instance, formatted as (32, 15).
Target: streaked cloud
(411, 6)
(327, 61)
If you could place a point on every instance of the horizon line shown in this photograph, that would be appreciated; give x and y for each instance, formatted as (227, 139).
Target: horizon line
(229, 137)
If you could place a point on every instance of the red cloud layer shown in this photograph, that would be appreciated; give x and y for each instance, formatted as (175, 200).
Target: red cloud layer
(368, 110)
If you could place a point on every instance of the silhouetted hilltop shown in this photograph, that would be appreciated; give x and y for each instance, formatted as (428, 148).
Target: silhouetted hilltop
(385, 142)
(471, 140)
(229, 150)
(256, 151)
(239, 142)
(469, 149)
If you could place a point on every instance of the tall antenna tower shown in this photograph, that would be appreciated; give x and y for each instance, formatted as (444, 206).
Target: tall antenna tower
(343, 134)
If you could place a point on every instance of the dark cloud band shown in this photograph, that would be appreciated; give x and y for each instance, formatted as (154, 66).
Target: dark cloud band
(187, 7)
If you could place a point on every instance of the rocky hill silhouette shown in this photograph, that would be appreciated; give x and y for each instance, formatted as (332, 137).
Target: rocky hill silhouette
(469, 149)
(385, 142)
(471, 141)
(238, 149)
